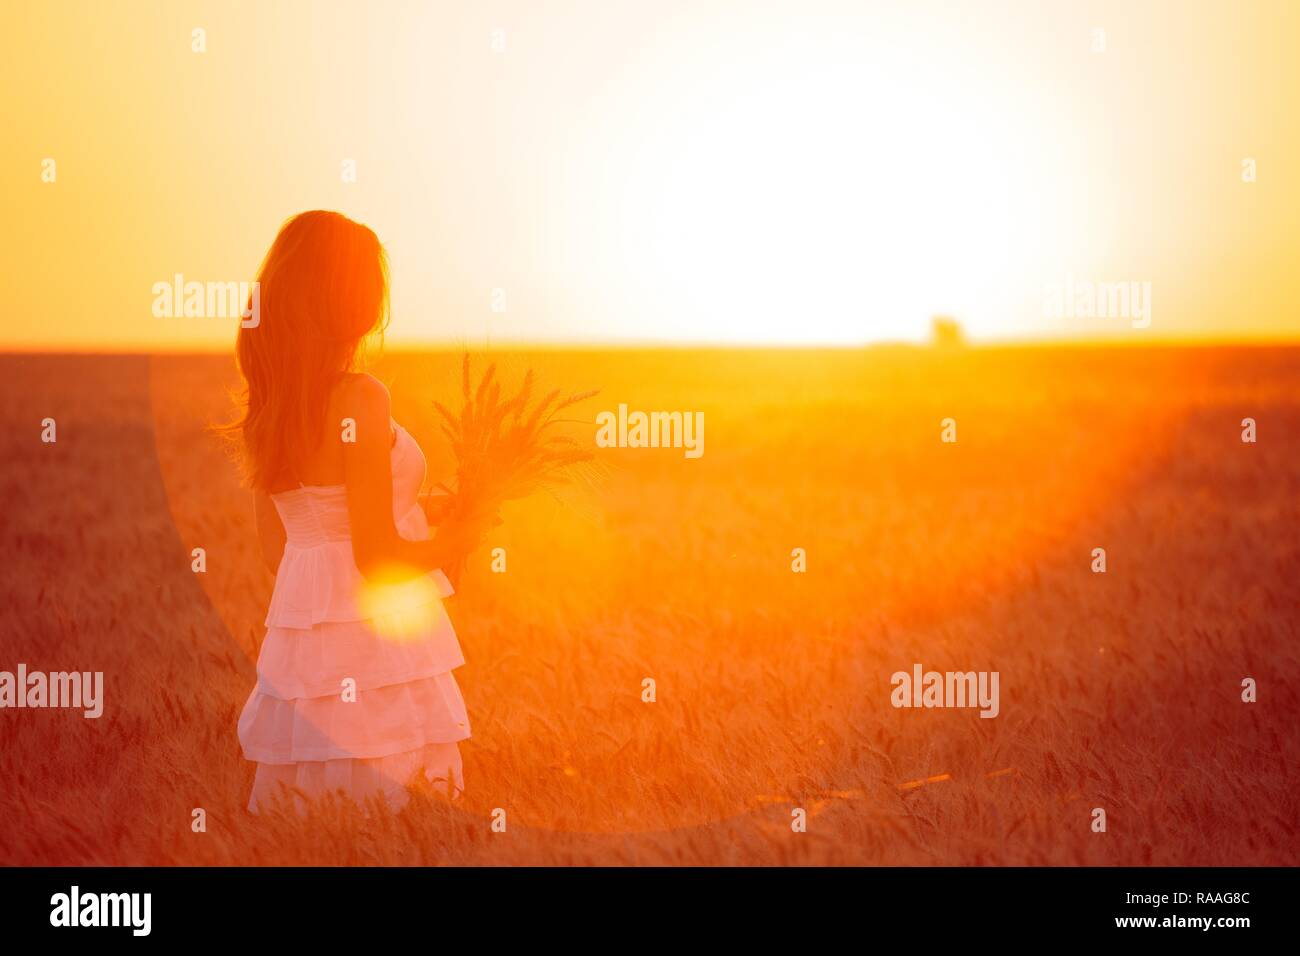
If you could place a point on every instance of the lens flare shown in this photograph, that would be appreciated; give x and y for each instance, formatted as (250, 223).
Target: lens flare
(401, 607)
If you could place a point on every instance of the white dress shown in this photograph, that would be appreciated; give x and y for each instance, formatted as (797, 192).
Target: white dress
(353, 694)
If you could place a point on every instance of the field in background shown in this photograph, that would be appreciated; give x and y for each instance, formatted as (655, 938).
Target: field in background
(1119, 691)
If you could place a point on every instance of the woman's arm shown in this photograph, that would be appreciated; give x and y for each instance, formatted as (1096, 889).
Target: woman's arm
(368, 473)
(270, 530)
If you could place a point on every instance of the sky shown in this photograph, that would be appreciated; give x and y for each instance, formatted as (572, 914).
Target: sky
(808, 172)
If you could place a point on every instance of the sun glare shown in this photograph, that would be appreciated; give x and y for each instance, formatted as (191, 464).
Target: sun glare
(815, 196)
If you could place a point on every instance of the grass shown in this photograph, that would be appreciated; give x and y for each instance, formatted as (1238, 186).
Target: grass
(1119, 691)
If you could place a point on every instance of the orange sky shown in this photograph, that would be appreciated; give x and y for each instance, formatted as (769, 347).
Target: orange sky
(669, 171)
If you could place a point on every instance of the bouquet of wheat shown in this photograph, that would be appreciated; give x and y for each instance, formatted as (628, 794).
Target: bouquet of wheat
(506, 448)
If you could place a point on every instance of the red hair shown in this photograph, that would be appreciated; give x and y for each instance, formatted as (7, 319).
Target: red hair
(323, 289)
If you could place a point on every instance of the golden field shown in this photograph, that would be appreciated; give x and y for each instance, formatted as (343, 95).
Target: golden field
(1119, 690)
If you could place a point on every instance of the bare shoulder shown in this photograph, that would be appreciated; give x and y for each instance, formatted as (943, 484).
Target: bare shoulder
(361, 386)
(364, 399)
(358, 392)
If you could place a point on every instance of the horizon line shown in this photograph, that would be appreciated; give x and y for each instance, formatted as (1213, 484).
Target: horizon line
(1264, 340)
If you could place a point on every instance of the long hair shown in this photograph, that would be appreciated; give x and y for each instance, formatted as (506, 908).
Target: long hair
(322, 288)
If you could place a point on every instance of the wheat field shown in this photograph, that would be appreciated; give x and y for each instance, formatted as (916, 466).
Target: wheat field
(1119, 691)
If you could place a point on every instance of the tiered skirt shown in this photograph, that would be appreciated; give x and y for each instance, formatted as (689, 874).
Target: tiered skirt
(352, 704)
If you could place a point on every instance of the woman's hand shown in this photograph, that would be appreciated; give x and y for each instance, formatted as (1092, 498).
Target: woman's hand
(437, 506)
(441, 508)
(473, 527)
(460, 534)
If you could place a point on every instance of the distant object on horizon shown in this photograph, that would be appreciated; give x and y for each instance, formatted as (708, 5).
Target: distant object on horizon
(946, 333)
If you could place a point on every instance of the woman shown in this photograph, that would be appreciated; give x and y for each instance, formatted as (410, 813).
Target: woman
(354, 685)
